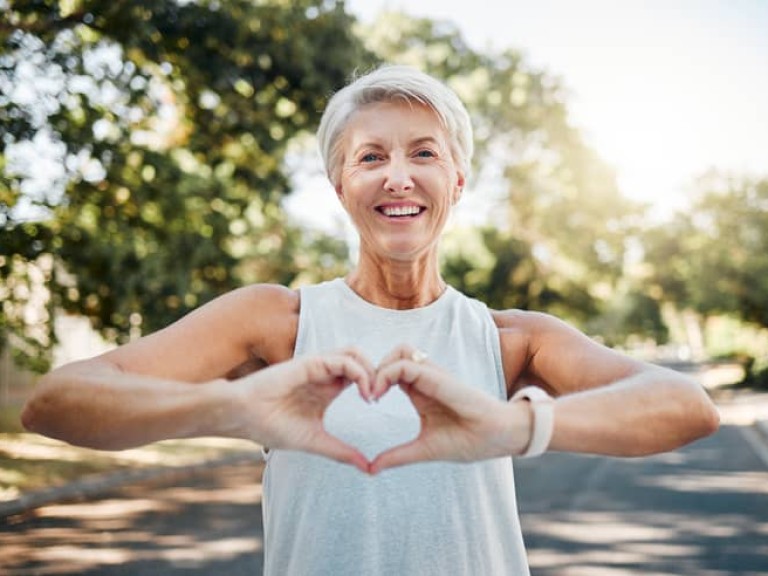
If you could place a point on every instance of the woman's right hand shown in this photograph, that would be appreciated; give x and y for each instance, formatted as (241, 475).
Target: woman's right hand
(282, 406)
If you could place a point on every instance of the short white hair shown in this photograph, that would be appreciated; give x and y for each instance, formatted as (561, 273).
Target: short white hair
(390, 83)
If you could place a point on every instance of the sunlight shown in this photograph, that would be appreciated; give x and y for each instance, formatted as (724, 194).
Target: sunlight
(104, 508)
(663, 93)
(598, 527)
(713, 482)
(207, 551)
(85, 556)
(245, 494)
(192, 552)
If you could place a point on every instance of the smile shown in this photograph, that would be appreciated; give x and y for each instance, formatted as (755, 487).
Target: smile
(400, 211)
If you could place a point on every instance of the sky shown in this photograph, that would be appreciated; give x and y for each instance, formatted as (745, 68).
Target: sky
(662, 89)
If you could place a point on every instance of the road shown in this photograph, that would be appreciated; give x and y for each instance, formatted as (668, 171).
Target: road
(702, 510)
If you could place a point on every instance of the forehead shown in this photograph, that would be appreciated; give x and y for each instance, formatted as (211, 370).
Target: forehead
(394, 121)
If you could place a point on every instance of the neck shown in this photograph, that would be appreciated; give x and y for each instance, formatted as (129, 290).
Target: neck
(398, 285)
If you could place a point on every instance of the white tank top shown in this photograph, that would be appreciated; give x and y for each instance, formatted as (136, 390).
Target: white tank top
(435, 518)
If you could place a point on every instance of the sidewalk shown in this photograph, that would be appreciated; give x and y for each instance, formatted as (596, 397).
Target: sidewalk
(737, 406)
(61, 472)
(746, 408)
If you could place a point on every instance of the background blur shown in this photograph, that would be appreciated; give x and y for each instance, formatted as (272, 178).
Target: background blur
(156, 154)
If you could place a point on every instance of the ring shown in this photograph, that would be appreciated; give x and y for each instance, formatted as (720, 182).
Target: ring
(418, 356)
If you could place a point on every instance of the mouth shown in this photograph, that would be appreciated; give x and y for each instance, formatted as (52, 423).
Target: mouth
(410, 211)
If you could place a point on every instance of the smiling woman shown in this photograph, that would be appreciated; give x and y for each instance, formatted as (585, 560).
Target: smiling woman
(390, 403)
(398, 181)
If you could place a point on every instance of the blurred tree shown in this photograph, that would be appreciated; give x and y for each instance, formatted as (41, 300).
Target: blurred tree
(630, 318)
(713, 258)
(557, 236)
(163, 125)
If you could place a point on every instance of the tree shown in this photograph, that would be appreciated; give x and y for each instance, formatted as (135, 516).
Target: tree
(557, 240)
(171, 120)
(713, 258)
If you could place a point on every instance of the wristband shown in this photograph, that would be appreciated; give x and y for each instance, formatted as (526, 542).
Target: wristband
(543, 414)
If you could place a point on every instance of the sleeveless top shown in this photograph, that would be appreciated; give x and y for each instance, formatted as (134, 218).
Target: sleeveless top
(434, 518)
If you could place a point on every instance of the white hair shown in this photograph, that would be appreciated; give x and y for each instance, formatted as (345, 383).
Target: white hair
(386, 84)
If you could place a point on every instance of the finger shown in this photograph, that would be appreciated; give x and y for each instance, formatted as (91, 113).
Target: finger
(435, 383)
(406, 373)
(408, 453)
(332, 368)
(402, 352)
(402, 372)
(361, 358)
(365, 386)
(331, 447)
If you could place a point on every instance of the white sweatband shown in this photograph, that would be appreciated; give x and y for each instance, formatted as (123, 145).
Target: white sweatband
(543, 414)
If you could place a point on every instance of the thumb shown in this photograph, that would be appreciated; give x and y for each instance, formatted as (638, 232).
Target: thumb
(331, 447)
(408, 453)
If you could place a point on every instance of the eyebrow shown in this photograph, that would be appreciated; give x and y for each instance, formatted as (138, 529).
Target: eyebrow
(412, 143)
(425, 140)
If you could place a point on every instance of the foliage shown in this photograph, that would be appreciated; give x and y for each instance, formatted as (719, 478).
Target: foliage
(170, 120)
(560, 224)
(713, 258)
(631, 317)
(159, 132)
(757, 380)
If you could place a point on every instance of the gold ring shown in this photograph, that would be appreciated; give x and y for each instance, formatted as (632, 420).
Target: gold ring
(418, 356)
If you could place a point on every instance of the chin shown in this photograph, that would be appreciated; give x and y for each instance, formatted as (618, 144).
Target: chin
(405, 253)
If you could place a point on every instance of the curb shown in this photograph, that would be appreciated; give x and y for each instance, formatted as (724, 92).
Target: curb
(91, 486)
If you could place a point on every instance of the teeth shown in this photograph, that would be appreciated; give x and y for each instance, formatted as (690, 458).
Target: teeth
(400, 210)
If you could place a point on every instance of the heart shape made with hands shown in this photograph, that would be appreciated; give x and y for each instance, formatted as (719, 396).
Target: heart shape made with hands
(376, 427)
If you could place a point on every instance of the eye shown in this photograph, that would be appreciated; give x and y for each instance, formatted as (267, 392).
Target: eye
(369, 157)
(425, 153)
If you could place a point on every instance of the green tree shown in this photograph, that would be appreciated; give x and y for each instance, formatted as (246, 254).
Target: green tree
(713, 257)
(171, 120)
(557, 241)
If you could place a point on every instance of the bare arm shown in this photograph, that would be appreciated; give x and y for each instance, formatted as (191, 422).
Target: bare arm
(606, 402)
(165, 385)
(92, 404)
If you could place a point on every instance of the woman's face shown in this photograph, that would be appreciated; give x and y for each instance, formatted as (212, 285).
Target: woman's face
(398, 178)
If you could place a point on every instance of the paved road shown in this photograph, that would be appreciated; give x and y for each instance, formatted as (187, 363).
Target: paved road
(699, 511)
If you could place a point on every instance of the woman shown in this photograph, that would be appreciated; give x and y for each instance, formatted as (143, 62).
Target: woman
(440, 382)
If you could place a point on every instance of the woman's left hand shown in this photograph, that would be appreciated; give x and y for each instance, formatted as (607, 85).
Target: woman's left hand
(458, 422)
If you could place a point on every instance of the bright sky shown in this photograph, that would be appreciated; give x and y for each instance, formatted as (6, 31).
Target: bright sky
(663, 89)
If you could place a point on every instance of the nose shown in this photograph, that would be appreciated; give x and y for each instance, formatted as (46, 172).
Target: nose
(398, 176)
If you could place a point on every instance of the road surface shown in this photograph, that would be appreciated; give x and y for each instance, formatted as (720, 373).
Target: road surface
(702, 511)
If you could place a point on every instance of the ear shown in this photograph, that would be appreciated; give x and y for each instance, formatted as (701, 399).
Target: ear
(458, 188)
(340, 194)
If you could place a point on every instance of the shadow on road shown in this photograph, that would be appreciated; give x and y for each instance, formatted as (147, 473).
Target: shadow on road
(700, 510)
(206, 524)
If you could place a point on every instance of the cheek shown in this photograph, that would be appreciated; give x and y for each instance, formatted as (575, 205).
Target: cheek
(355, 177)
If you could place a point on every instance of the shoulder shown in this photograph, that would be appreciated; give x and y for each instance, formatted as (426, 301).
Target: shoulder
(531, 326)
(517, 337)
(234, 333)
(558, 356)
(518, 319)
(277, 299)
(269, 315)
(253, 305)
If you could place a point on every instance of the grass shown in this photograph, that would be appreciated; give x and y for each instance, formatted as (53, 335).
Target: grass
(32, 462)
(10, 420)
